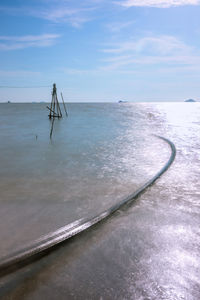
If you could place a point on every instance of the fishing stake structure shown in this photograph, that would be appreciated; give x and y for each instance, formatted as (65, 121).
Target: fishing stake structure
(55, 111)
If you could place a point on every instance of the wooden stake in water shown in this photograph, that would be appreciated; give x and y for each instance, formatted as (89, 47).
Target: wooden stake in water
(55, 110)
(64, 105)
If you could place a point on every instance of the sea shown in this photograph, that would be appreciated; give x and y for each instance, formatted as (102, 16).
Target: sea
(98, 155)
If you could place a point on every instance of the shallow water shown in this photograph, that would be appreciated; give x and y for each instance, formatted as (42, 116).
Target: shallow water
(100, 154)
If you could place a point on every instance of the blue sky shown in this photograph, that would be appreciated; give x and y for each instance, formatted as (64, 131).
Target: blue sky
(100, 50)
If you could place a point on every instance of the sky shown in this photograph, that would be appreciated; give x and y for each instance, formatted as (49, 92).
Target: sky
(100, 50)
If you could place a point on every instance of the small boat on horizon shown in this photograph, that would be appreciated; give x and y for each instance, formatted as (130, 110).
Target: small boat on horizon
(122, 101)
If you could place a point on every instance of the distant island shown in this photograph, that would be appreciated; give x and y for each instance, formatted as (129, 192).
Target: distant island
(190, 100)
(122, 101)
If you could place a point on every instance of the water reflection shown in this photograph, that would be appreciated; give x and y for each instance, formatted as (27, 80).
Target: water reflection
(150, 251)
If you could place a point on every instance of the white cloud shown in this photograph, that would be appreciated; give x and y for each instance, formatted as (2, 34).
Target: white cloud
(62, 14)
(158, 3)
(19, 73)
(55, 15)
(154, 50)
(149, 60)
(27, 41)
(116, 27)
(82, 72)
(74, 13)
(152, 44)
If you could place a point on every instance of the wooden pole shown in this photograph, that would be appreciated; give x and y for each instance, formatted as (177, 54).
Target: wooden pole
(51, 106)
(54, 100)
(58, 108)
(64, 105)
(53, 112)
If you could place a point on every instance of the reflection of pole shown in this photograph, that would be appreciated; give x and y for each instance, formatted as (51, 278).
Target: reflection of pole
(64, 105)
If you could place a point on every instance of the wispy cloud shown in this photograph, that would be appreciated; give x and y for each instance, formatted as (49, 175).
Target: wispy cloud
(74, 13)
(154, 50)
(160, 61)
(63, 14)
(19, 73)
(27, 41)
(158, 3)
(116, 27)
(152, 44)
(147, 54)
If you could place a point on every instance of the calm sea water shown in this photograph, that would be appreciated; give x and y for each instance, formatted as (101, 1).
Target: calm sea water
(98, 155)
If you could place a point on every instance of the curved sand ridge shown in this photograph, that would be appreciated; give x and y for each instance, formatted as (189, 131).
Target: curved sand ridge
(34, 251)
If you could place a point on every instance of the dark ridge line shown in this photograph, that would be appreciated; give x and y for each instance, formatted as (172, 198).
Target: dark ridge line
(48, 242)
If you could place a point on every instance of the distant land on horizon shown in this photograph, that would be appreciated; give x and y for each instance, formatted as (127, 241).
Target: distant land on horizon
(117, 101)
(190, 100)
